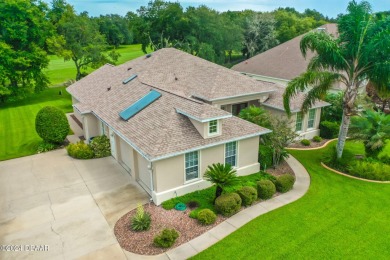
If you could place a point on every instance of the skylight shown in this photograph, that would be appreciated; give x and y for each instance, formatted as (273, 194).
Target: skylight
(139, 105)
(129, 79)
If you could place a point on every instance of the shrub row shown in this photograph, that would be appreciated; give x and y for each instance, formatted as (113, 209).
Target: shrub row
(329, 130)
(99, 147)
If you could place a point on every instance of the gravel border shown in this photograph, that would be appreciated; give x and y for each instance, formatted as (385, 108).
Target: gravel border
(142, 242)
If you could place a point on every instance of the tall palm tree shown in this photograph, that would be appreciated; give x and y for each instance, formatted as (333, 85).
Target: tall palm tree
(222, 175)
(373, 129)
(360, 53)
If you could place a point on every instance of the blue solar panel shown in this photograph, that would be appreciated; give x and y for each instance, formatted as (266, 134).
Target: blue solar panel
(129, 79)
(145, 101)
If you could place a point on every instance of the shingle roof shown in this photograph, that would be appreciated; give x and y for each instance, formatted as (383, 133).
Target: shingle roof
(275, 100)
(159, 130)
(284, 61)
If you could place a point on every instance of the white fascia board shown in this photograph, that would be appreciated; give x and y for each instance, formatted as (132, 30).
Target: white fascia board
(236, 96)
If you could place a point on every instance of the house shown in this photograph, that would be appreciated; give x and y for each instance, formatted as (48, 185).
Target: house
(280, 65)
(168, 116)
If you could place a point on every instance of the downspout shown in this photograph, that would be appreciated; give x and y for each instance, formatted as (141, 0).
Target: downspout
(150, 168)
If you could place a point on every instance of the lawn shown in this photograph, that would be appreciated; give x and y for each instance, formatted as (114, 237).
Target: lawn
(339, 218)
(17, 130)
(60, 71)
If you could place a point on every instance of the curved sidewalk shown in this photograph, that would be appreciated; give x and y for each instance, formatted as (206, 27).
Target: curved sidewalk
(230, 225)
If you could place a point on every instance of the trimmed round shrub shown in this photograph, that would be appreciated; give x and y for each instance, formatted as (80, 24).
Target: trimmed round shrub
(305, 142)
(265, 189)
(52, 125)
(317, 139)
(248, 195)
(80, 150)
(284, 182)
(100, 146)
(228, 204)
(206, 217)
(166, 238)
(329, 129)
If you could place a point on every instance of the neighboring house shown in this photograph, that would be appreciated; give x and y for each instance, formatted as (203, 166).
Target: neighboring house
(283, 62)
(280, 65)
(305, 125)
(169, 115)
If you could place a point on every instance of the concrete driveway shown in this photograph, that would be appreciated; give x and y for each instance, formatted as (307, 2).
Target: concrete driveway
(69, 205)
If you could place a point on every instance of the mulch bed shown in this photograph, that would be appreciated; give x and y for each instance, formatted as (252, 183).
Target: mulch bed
(312, 144)
(188, 228)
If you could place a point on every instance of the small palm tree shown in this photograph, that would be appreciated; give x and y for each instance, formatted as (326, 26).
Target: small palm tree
(373, 128)
(360, 53)
(222, 175)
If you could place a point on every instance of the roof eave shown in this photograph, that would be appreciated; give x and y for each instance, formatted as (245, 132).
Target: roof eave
(162, 157)
(204, 119)
(236, 96)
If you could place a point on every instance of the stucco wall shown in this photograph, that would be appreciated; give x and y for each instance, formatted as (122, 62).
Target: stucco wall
(91, 126)
(75, 111)
(169, 173)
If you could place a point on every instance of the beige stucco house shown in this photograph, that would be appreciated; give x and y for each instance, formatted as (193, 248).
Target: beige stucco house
(168, 116)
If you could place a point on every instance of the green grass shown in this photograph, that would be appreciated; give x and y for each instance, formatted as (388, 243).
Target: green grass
(338, 218)
(60, 71)
(17, 130)
(205, 197)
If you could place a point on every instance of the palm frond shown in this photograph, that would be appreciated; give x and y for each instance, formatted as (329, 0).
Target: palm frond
(320, 81)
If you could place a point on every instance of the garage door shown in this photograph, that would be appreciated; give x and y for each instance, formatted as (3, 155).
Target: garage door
(125, 154)
(144, 178)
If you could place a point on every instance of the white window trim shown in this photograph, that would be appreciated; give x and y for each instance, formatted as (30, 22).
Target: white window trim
(237, 152)
(314, 119)
(208, 128)
(199, 164)
(296, 120)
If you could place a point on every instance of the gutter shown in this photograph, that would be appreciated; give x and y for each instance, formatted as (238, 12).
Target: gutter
(236, 96)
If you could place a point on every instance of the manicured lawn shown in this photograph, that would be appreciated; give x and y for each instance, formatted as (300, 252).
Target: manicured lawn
(339, 218)
(17, 131)
(60, 71)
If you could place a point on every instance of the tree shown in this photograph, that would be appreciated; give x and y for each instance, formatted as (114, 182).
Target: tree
(23, 31)
(259, 33)
(373, 129)
(360, 53)
(115, 29)
(280, 137)
(256, 115)
(81, 42)
(222, 175)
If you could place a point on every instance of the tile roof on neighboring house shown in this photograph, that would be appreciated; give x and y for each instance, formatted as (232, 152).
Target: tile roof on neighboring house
(284, 61)
(275, 100)
(163, 128)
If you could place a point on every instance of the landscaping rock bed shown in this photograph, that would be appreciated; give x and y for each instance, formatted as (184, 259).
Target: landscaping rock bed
(188, 228)
(142, 242)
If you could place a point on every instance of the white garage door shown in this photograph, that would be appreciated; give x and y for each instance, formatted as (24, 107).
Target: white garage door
(144, 178)
(125, 154)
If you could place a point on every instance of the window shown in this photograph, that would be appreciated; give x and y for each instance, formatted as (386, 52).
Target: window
(192, 165)
(298, 122)
(231, 153)
(213, 127)
(236, 109)
(312, 118)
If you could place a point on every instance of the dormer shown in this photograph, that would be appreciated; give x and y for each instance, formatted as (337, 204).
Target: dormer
(206, 119)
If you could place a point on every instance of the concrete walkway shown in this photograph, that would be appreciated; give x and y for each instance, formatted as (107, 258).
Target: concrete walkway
(230, 225)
